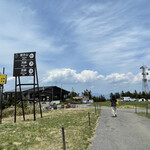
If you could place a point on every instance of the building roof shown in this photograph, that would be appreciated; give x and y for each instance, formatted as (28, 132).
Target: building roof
(25, 89)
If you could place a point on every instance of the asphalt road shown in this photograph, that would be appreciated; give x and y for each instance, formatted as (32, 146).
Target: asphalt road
(128, 131)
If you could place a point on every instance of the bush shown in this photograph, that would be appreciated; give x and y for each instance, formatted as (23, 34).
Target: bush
(9, 112)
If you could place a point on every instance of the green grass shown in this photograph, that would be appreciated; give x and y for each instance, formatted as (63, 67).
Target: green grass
(144, 114)
(123, 104)
(45, 133)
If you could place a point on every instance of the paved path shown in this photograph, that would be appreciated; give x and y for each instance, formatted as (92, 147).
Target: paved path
(128, 131)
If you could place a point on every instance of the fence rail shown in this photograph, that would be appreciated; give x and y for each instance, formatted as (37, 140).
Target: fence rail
(145, 109)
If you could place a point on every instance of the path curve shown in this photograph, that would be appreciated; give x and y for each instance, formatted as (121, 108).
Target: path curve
(128, 131)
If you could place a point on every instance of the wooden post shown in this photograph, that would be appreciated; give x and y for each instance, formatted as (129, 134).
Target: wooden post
(34, 98)
(89, 119)
(135, 108)
(38, 91)
(21, 99)
(15, 99)
(63, 137)
(147, 109)
(95, 110)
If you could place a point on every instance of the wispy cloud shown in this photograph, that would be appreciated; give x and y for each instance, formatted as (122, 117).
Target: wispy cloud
(21, 31)
(106, 33)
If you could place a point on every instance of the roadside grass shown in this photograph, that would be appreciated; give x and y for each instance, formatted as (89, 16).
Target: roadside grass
(143, 114)
(45, 133)
(141, 105)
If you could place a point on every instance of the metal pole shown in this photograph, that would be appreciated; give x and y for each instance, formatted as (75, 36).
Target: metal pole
(15, 99)
(61, 97)
(1, 104)
(1, 98)
(63, 137)
(3, 70)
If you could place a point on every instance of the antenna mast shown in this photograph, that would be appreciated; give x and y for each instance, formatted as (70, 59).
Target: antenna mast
(144, 80)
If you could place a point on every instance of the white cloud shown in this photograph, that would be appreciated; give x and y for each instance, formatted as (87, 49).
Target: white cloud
(128, 78)
(71, 76)
(67, 75)
(10, 78)
(107, 36)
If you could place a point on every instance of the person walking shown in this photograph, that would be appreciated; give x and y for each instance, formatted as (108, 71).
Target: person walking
(113, 105)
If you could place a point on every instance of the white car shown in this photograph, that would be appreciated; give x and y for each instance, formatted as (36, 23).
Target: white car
(132, 100)
(91, 101)
(142, 100)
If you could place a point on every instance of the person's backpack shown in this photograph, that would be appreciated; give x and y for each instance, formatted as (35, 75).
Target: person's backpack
(117, 102)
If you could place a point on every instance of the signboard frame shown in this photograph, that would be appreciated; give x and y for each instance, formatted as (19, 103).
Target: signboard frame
(23, 64)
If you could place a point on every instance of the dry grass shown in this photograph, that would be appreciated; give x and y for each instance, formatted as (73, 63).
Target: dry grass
(127, 106)
(45, 133)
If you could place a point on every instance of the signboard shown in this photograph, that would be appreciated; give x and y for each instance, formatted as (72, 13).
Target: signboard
(3, 78)
(24, 64)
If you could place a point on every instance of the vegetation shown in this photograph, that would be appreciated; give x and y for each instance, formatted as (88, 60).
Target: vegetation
(100, 98)
(73, 94)
(45, 133)
(135, 95)
(123, 104)
(87, 93)
(144, 114)
(9, 112)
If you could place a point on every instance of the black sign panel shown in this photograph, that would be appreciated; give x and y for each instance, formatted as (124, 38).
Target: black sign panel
(24, 64)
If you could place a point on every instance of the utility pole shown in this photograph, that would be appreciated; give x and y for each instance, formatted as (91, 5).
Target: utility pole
(61, 97)
(1, 104)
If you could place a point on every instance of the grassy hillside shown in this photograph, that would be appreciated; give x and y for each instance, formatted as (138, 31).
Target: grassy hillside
(45, 133)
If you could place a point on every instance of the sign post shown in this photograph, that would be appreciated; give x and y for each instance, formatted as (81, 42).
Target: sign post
(3, 80)
(25, 65)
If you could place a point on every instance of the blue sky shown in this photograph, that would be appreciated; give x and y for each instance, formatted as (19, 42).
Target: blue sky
(98, 45)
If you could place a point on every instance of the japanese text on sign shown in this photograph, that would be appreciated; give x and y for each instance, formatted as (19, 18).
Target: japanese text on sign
(24, 64)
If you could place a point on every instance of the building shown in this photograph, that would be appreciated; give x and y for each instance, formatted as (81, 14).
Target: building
(83, 99)
(47, 93)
